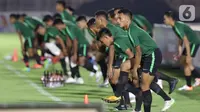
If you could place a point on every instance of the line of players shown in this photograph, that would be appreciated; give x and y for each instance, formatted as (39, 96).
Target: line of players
(121, 43)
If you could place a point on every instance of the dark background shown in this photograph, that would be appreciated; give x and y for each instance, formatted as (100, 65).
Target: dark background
(151, 9)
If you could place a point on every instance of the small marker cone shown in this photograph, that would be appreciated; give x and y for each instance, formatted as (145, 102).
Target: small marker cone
(86, 101)
(15, 56)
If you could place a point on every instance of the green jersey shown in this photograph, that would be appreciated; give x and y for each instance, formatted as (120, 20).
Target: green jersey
(66, 16)
(24, 30)
(139, 37)
(121, 45)
(181, 30)
(141, 21)
(74, 32)
(32, 22)
(51, 34)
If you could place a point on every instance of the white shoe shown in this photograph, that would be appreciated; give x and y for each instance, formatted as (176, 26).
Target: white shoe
(70, 80)
(98, 76)
(197, 82)
(92, 74)
(132, 97)
(80, 81)
(104, 84)
(160, 83)
(185, 88)
(168, 104)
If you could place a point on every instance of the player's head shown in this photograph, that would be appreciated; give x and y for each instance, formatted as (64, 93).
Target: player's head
(48, 19)
(13, 18)
(105, 37)
(57, 16)
(59, 24)
(70, 10)
(81, 22)
(101, 18)
(168, 18)
(22, 17)
(40, 29)
(124, 17)
(60, 5)
(112, 16)
(117, 9)
(92, 25)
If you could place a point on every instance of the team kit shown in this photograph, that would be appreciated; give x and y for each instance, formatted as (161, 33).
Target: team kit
(117, 41)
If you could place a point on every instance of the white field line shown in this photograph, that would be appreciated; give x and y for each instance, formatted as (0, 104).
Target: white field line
(31, 83)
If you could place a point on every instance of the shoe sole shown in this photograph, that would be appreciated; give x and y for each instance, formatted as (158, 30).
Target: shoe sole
(108, 101)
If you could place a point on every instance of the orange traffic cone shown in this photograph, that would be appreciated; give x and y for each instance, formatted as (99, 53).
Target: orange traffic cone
(15, 56)
(86, 101)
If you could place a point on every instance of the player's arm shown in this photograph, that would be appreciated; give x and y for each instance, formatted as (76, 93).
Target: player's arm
(138, 57)
(180, 46)
(110, 58)
(60, 41)
(187, 46)
(131, 57)
(21, 40)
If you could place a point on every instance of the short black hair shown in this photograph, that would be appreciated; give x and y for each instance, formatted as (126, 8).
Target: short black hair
(70, 8)
(170, 14)
(47, 18)
(57, 16)
(102, 32)
(13, 15)
(91, 22)
(37, 27)
(23, 15)
(118, 8)
(101, 13)
(61, 2)
(126, 12)
(80, 18)
(17, 16)
(111, 13)
(58, 21)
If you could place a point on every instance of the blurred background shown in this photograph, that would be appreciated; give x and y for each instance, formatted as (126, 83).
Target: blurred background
(153, 10)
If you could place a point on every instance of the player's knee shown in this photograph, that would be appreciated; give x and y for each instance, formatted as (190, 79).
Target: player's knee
(145, 86)
(81, 61)
(113, 81)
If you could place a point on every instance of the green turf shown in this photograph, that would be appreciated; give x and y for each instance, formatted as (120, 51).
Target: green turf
(15, 89)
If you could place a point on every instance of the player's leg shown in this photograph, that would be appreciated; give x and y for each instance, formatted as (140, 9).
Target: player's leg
(172, 81)
(187, 73)
(195, 72)
(149, 67)
(25, 57)
(37, 58)
(122, 82)
(159, 91)
(83, 61)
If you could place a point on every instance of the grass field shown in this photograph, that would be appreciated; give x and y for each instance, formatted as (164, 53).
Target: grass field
(21, 87)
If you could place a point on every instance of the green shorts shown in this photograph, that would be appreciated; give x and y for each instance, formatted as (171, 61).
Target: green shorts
(82, 50)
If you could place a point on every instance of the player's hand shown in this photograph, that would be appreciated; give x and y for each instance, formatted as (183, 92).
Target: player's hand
(74, 58)
(188, 59)
(110, 73)
(176, 57)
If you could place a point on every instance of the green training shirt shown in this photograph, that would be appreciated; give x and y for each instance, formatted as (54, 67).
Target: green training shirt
(141, 21)
(32, 22)
(181, 30)
(66, 16)
(24, 30)
(139, 37)
(51, 34)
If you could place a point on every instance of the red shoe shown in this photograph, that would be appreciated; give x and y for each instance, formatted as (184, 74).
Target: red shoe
(37, 66)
